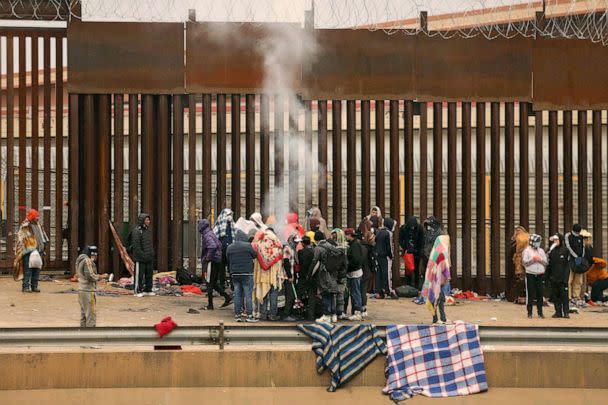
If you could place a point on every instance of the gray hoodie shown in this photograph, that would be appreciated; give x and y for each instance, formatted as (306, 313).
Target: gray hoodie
(86, 270)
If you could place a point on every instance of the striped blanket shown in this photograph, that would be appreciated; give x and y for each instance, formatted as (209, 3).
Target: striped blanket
(435, 361)
(343, 349)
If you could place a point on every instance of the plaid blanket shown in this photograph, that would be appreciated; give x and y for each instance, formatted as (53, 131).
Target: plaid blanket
(224, 221)
(343, 349)
(435, 361)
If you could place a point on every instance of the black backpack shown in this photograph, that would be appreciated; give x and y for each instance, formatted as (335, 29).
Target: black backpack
(335, 262)
(129, 240)
(184, 277)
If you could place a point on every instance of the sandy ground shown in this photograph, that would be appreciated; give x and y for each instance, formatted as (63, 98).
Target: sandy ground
(52, 308)
(292, 396)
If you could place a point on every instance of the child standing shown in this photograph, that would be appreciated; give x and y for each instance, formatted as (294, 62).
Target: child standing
(534, 260)
(86, 269)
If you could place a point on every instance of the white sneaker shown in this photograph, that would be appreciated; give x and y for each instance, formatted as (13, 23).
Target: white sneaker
(364, 314)
(151, 294)
(334, 318)
(139, 295)
(324, 319)
(344, 317)
(356, 317)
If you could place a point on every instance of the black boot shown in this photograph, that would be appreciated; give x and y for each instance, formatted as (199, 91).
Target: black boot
(227, 301)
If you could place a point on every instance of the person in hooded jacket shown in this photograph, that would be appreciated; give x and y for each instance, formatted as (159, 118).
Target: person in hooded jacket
(240, 256)
(307, 285)
(368, 245)
(211, 252)
(375, 216)
(557, 273)
(574, 243)
(293, 227)
(225, 230)
(86, 270)
(329, 273)
(411, 240)
(143, 255)
(384, 251)
(535, 262)
(316, 222)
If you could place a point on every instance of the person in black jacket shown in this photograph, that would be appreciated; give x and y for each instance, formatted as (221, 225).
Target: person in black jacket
(557, 274)
(384, 250)
(574, 243)
(307, 285)
(143, 255)
(355, 257)
(240, 256)
(411, 240)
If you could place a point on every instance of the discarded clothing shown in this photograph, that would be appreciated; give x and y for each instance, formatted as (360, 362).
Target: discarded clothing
(435, 361)
(343, 349)
(167, 280)
(171, 274)
(165, 326)
(191, 289)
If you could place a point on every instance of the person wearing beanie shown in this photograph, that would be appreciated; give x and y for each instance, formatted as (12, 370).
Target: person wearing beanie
(329, 264)
(143, 254)
(557, 274)
(534, 260)
(86, 270)
(29, 252)
(307, 284)
(576, 249)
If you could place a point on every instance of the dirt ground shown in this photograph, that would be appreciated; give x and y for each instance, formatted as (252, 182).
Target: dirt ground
(293, 396)
(53, 308)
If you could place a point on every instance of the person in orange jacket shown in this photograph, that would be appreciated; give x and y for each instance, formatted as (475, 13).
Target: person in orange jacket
(597, 278)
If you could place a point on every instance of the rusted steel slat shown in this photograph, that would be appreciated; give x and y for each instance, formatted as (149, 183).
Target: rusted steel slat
(437, 159)
(322, 151)
(553, 180)
(524, 169)
(178, 182)
(163, 185)
(480, 210)
(539, 226)
(294, 146)
(466, 196)
(408, 126)
(265, 154)
(133, 160)
(509, 195)
(59, 151)
(495, 196)
(351, 164)
(380, 194)
(308, 148)
(22, 202)
(568, 204)
(117, 196)
(10, 159)
(395, 194)
(423, 162)
(103, 171)
(149, 158)
(365, 157)
(452, 190)
(279, 151)
(192, 214)
(582, 168)
(336, 175)
(221, 150)
(598, 245)
(235, 104)
(35, 121)
(90, 200)
(207, 143)
(250, 151)
(74, 186)
(46, 128)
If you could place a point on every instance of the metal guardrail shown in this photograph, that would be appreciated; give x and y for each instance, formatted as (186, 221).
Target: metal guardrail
(261, 335)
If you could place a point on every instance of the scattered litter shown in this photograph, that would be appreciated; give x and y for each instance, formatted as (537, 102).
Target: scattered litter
(165, 326)
(45, 277)
(494, 319)
(12, 304)
(134, 310)
(190, 289)
(35, 310)
(193, 311)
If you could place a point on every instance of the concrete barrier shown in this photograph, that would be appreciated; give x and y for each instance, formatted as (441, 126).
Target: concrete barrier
(270, 368)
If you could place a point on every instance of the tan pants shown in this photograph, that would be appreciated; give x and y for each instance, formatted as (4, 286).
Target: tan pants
(88, 314)
(575, 283)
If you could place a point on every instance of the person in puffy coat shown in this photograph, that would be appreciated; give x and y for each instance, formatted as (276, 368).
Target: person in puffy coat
(143, 255)
(211, 252)
(411, 240)
(557, 273)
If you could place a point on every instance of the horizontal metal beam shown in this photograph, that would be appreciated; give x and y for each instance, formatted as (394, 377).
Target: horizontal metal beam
(221, 335)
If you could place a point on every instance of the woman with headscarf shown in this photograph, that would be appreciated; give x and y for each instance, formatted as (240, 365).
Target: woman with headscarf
(256, 218)
(268, 273)
(375, 216)
(316, 222)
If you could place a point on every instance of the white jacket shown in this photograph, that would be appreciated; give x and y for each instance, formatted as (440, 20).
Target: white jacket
(533, 267)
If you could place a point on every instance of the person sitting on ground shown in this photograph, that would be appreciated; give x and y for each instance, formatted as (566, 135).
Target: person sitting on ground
(211, 252)
(558, 272)
(597, 278)
(86, 270)
(30, 242)
(534, 260)
(330, 262)
(240, 256)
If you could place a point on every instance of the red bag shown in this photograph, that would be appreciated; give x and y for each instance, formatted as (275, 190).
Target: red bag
(408, 258)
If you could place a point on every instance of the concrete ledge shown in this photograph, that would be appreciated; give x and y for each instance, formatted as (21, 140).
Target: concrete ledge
(271, 368)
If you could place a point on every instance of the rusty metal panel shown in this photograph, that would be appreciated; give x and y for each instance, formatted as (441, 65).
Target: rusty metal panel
(149, 158)
(178, 182)
(22, 90)
(133, 160)
(308, 162)
(221, 148)
(279, 151)
(235, 115)
(322, 152)
(395, 194)
(567, 159)
(357, 64)
(75, 153)
(495, 195)
(102, 170)
(480, 210)
(249, 154)
(581, 128)
(437, 160)
(569, 74)
(192, 214)
(207, 143)
(598, 195)
(408, 142)
(35, 121)
(473, 69)
(265, 154)
(162, 183)
(539, 226)
(524, 170)
(10, 159)
(46, 125)
(150, 56)
(118, 172)
(509, 139)
(351, 164)
(294, 144)
(423, 161)
(336, 175)
(365, 156)
(466, 197)
(452, 141)
(553, 174)
(59, 147)
(379, 155)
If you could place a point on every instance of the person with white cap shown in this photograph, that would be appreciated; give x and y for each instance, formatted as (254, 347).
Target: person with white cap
(534, 260)
(574, 243)
(557, 275)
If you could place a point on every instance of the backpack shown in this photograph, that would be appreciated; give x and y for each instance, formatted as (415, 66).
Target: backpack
(184, 277)
(129, 240)
(335, 262)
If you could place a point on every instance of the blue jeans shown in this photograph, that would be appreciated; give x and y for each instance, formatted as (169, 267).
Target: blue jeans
(243, 289)
(33, 274)
(354, 287)
(270, 298)
(329, 303)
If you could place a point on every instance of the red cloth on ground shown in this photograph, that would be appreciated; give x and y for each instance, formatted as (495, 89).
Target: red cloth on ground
(165, 326)
(191, 289)
(468, 295)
